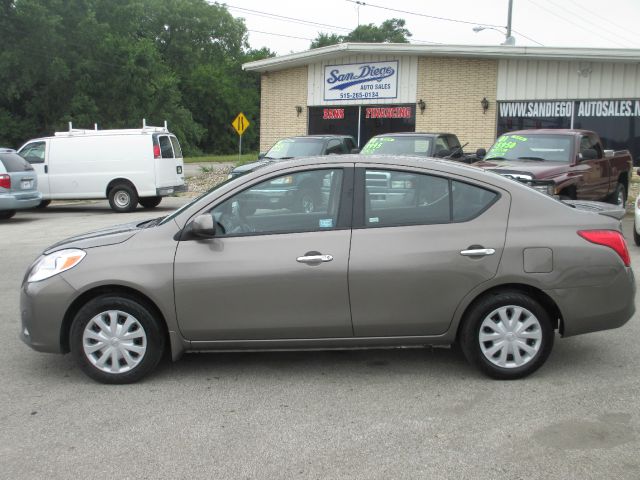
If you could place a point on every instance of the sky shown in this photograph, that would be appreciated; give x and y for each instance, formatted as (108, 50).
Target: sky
(552, 23)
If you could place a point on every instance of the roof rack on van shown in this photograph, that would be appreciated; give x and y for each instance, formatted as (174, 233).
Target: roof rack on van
(81, 131)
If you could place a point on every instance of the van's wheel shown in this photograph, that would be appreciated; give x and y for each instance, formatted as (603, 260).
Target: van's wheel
(150, 202)
(619, 196)
(123, 198)
(44, 204)
(508, 335)
(116, 339)
(6, 214)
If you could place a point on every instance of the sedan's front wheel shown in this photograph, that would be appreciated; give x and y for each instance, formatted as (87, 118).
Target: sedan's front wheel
(508, 335)
(116, 339)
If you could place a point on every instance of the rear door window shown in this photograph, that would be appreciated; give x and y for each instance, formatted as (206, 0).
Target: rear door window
(176, 147)
(470, 201)
(14, 163)
(165, 147)
(396, 198)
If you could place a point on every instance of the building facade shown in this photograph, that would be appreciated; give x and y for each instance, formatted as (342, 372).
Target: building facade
(474, 92)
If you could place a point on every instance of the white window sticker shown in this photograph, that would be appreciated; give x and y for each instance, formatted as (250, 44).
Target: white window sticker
(326, 223)
(374, 219)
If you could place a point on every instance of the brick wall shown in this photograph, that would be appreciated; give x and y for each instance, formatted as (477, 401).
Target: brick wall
(282, 91)
(453, 88)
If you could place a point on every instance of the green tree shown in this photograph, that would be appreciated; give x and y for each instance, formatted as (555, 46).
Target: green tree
(390, 31)
(114, 62)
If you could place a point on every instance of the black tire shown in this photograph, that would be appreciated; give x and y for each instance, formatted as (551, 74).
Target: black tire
(619, 192)
(7, 214)
(636, 237)
(150, 202)
(123, 198)
(125, 308)
(486, 309)
(44, 204)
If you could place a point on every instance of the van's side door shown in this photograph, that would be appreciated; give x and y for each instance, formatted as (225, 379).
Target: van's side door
(36, 153)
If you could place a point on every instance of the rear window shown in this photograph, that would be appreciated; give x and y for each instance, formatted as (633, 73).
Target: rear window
(165, 147)
(176, 147)
(419, 146)
(14, 163)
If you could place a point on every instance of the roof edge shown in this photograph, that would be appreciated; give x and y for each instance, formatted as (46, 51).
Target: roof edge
(478, 51)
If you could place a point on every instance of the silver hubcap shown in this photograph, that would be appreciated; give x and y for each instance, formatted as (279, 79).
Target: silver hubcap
(122, 199)
(114, 341)
(510, 336)
(620, 198)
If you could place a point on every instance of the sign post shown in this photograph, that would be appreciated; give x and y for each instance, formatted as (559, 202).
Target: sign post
(240, 124)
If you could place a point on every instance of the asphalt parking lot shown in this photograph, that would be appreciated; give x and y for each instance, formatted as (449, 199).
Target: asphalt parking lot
(386, 414)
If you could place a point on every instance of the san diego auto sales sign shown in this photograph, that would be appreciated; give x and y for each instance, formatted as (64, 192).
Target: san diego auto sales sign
(360, 81)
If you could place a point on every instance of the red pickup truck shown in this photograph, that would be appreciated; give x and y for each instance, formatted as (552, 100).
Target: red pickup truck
(569, 163)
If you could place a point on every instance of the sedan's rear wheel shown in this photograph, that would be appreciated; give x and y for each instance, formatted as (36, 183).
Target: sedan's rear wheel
(6, 214)
(508, 335)
(116, 339)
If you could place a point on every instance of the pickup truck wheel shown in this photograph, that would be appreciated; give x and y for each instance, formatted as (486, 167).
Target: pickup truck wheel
(123, 198)
(619, 196)
(44, 204)
(150, 202)
(636, 237)
(508, 335)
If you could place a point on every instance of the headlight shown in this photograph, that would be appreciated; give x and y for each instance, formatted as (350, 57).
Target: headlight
(55, 263)
(548, 189)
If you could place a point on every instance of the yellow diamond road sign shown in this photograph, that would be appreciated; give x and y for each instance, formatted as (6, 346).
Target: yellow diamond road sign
(240, 123)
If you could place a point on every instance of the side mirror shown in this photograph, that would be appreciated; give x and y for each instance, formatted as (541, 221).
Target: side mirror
(355, 150)
(589, 154)
(481, 153)
(203, 226)
(261, 155)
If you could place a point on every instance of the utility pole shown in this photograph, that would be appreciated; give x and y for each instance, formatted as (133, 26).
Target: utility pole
(509, 40)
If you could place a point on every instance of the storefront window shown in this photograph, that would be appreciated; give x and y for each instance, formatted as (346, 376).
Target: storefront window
(374, 120)
(333, 120)
(617, 122)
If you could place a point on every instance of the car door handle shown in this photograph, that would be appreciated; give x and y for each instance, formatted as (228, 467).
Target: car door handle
(314, 258)
(478, 252)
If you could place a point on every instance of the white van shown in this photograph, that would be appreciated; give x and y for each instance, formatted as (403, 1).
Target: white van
(126, 166)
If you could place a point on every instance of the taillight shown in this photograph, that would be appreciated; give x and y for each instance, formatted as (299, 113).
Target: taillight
(609, 238)
(5, 181)
(156, 151)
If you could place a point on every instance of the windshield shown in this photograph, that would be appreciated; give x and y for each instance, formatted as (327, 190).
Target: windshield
(296, 147)
(398, 146)
(552, 148)
(187, 205)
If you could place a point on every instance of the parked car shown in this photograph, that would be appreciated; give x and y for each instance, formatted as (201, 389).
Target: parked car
(458, 255)
(18, 184)
(125, 166)
(569, 163)
(297, 147)
(443, 145)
